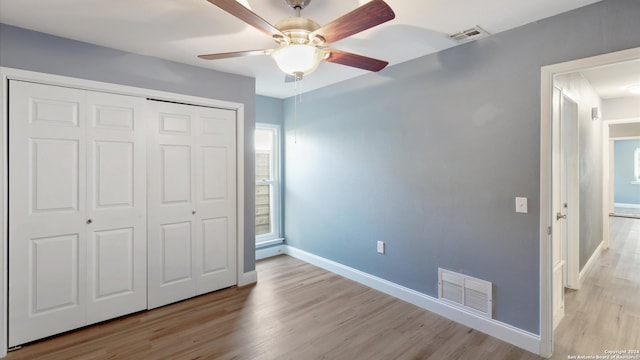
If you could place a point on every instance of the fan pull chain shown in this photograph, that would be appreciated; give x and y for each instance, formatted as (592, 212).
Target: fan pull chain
(295, 112)
(297, 98)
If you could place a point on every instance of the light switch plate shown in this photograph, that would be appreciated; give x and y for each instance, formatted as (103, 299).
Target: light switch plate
(380, 247)
(521, 205)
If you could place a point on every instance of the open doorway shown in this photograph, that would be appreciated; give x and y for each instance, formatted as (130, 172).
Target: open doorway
(590, 83)
(624, 168)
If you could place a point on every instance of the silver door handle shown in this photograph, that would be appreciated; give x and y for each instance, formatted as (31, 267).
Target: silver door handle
(561, 216)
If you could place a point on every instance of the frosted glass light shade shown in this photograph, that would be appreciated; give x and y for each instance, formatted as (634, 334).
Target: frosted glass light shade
(297, 58)
(634, 89)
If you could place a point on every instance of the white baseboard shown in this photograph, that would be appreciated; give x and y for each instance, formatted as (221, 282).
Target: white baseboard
(248, 278)
(592, 260)
(631, 206)
(269, 252)
(500, 330)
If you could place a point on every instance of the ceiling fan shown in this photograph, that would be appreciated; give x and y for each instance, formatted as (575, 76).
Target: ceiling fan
(301, 41)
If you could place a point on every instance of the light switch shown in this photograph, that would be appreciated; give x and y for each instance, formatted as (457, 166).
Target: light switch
(521, 205)
(380, 247)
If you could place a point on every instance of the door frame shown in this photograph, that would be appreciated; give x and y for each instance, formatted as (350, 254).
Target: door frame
(7, 74)
(547, 74)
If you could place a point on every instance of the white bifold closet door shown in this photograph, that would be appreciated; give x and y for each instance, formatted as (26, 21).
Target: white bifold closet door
(77, 209)
(192, 202)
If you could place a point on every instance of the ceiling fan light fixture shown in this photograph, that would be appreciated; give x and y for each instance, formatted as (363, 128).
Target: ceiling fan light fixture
(297, 58)
(301, 40)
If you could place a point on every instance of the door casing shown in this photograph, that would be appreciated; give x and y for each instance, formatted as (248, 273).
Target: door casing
(547, 74)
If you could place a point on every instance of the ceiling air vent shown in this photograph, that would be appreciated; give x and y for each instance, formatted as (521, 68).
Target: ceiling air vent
(474, 33)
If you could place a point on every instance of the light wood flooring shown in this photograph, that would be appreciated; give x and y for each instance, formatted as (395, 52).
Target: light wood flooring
(298, 311)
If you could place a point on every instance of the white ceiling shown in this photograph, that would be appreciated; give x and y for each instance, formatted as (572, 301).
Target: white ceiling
(179, 30)
(613, 81)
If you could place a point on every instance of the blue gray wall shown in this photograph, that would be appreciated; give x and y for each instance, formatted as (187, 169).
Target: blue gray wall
(591, 176)
(34, 51)
(269, 110)
(625, 191)
(429, 156)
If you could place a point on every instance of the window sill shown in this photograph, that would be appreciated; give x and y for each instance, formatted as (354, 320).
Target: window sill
(635, 183)
(265, 243)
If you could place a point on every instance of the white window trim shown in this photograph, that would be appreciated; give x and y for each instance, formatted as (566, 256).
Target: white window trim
(276, 207)
(636, 166)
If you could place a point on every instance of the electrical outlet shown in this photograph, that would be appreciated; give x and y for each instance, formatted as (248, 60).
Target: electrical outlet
(380, 247)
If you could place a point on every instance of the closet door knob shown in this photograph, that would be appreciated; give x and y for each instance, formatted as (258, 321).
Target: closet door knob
(193, 212)
(89, 221)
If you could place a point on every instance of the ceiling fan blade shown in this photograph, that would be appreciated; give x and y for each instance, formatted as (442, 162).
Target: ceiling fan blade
(354, 60)
(232, 54)
(238, 10)
(366, 16)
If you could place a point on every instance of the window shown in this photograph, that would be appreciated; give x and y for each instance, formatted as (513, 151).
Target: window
(636, 165)
(267, 148)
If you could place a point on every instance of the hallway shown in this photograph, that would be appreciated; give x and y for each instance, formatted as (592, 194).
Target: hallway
(605, 313)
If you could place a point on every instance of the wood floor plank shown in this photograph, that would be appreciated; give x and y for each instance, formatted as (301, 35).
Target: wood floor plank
(298, 311)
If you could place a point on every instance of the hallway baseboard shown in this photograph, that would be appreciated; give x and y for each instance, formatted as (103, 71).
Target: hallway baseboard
(590, 262)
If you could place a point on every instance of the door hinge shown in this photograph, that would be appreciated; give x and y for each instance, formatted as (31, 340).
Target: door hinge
(549, 230)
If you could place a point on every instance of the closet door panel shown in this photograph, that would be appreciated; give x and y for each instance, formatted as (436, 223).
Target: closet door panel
(215, 233)
(54, 184)
(192, 202)
(216, 199)
(171, 205)
(54, 268)
(176, 249)
(47, 261)
(114, 174)
(116, 212)
(77, 209)
(113, 263)
(175, 168)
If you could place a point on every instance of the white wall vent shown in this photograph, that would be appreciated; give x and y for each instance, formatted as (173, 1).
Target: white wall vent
(469, 35)
(465, 291)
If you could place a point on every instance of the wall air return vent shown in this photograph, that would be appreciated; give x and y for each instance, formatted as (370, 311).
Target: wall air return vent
(465, 291)
(474, 33)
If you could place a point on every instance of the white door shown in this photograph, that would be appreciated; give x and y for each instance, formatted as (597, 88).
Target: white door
(47, 241)
(559, 211)
(570, 189)
(63, 272)
(116, 206)
(192, 202)
(172, 208)
(215, 199)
